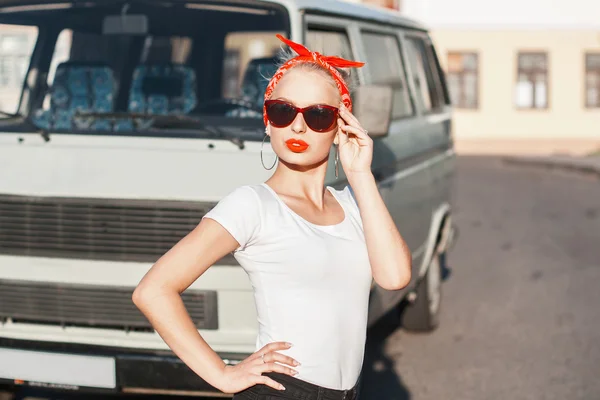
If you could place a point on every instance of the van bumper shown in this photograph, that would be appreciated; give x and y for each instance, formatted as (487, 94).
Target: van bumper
(137, 371)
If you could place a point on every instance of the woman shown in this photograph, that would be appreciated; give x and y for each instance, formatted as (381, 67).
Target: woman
(310, 252)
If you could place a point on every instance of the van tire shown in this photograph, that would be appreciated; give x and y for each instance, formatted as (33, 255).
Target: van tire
(423, 314)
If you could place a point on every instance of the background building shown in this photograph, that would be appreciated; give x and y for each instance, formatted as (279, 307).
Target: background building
(16, 46)
(392, 4)
(524, 75)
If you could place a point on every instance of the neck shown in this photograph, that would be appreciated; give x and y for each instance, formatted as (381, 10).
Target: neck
(300, 181)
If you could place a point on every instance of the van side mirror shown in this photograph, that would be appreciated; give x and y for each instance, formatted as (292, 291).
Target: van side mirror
(372, 105)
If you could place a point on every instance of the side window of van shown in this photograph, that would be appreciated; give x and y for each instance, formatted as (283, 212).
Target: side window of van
(439, 72)
(385, 66)
(331, 43)
(428, 94)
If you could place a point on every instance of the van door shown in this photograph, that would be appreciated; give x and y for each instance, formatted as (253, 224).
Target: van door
(442, 166)
(407, 196)
(428, 83)
(398, 158)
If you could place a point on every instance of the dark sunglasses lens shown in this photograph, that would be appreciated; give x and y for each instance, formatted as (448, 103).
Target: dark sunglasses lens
(320, 119)
(280, 114)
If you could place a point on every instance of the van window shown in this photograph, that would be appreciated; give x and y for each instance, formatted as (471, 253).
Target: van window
(106, 83)
(62, 49)
(385, 66)
(243, 52)
(440, 76)
(16, 46)
(422, 74)
(166, 49)
(331, 43)
(94, 49)
(90, 49)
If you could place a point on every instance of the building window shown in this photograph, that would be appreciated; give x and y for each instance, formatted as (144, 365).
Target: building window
(16, 47)
(463, 79)
(15, 51)
(592, 80)
(532, 81)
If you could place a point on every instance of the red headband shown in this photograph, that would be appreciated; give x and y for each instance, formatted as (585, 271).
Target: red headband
(305, 55)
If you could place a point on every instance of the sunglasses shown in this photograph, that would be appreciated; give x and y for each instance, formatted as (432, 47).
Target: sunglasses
(319, 118)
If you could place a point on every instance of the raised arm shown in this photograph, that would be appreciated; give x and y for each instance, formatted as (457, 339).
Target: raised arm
(389, 255)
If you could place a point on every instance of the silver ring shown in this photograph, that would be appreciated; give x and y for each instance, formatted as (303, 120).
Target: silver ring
(262, 356)
(366, 132)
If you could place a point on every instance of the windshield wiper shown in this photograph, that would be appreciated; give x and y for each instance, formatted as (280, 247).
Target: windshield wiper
(169, 121)
(44, 133)
(156, 120)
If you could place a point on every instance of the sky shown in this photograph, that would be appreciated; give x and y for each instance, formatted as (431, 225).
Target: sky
(571, 14)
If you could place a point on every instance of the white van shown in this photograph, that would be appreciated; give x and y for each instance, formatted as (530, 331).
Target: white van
(132, 119)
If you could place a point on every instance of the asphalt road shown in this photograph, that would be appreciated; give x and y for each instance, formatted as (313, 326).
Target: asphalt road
(521, 302)
(521, 305)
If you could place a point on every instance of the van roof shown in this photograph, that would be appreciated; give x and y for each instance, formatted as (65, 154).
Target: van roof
(354, 10)
(337, 7)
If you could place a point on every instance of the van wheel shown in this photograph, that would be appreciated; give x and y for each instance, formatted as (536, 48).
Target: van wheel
(423, 314)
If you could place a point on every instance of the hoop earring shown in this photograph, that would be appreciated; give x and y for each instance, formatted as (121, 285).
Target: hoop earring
(337, 159)
(261, 155)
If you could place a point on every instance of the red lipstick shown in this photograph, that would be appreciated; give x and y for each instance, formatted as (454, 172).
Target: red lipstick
(297, 146)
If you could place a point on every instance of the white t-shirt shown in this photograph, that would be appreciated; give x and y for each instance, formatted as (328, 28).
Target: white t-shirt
(311, 282)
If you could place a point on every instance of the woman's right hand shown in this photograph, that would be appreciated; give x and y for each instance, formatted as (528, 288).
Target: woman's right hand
(249, 372)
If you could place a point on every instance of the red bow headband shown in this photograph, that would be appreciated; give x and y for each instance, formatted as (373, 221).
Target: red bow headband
(305, 55)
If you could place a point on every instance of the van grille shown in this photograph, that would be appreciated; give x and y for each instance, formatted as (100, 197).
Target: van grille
(100, 229)
(92, 306)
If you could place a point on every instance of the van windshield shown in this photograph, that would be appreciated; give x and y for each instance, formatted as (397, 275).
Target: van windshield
(191, 69)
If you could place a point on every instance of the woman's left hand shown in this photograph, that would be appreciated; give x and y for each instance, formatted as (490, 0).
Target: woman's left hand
(355, 145)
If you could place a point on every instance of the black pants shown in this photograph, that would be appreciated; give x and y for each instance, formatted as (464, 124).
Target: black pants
(295, 389)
